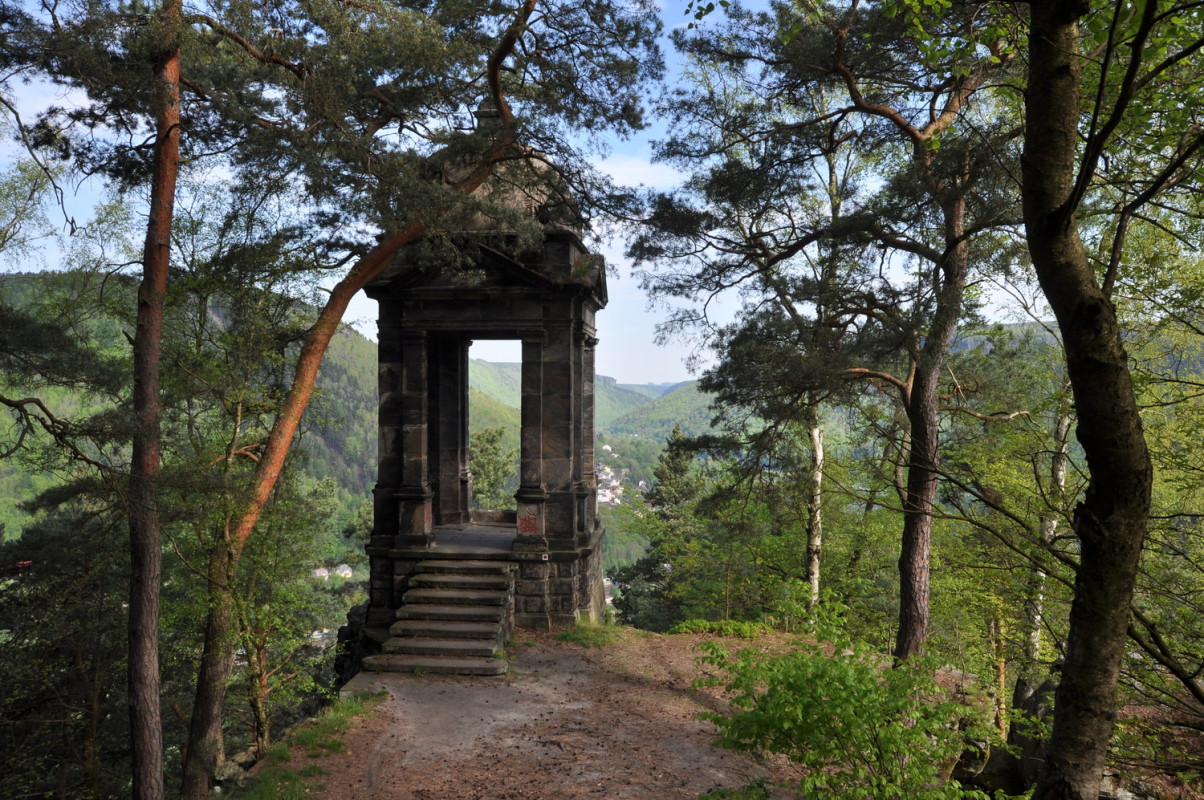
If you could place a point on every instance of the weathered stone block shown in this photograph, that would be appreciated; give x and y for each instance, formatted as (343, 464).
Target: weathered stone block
(533, 605)
(535, 570)
(558, 474)
(528, 588)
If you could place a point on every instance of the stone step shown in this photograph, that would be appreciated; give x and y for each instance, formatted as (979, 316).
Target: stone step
(470, 597)
(447, 629)
(450, 580)
(435, 666)
(465, 613)
(466, 567)
(475, 648)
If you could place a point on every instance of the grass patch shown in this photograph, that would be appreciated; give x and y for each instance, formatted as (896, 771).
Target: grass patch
(321, 736)
(587, 635)
(722, 627)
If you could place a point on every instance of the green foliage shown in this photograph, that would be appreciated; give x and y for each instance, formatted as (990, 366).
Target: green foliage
(624, 542)
(494, 470)
(62, 643)
(720, 627)
(859, 729)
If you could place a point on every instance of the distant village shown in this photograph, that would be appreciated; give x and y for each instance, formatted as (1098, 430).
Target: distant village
(610, 483)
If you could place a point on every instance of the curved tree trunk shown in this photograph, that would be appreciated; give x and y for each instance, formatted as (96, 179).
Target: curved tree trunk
(146, 734)
(1111, 521)
(203, 756)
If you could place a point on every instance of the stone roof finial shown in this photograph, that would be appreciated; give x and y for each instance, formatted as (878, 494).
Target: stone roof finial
(487, 114)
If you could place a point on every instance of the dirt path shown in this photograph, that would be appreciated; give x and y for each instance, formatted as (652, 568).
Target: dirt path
(567, 722)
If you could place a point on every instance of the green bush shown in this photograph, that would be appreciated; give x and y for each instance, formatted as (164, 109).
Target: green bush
(860, 729)
(720, 627)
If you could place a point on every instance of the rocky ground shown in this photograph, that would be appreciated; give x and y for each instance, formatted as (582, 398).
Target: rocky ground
(567, 722)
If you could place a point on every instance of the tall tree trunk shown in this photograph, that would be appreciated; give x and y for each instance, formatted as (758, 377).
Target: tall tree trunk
(1111, 521)
(915, 553)
(258, 691)
(924, 457)
(815, 519)
(204, 754)
(146, 734)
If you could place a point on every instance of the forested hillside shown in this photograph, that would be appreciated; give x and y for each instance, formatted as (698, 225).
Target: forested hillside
(685, 406)
(339, 439)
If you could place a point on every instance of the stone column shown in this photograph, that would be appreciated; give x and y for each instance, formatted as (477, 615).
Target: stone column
(449, 427)
(531, 496)
(560, 446)
(588, 489)
(414, 495)
(385, 507)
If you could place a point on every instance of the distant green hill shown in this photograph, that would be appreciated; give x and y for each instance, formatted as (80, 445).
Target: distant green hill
(489, 412)
(684, 406)
(612, 400)
(653, 389)
(500, 380)
(340, 425)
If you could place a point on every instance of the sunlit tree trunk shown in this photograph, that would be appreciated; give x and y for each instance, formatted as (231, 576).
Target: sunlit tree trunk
(146, 735)
(1034, 606)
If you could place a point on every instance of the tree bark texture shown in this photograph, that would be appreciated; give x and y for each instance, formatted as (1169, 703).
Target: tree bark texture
(924, 456)
(203, 756)
(146, 734)
(1111, 521)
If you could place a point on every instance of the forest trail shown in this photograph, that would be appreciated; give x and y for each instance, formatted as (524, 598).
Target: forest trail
(615, 722)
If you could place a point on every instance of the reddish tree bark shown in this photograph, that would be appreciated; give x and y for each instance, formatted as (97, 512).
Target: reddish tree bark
(146, 735)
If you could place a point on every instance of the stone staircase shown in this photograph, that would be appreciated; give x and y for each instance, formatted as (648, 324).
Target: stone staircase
(455, 619)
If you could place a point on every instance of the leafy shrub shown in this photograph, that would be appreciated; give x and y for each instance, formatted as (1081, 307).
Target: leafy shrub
(721, 627)
(860, 729)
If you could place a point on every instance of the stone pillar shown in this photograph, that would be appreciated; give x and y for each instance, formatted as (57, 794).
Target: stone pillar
(414, 495)
(560, 447)
(385, 506)
(449, 428)
(531, 496)
(587, 485)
